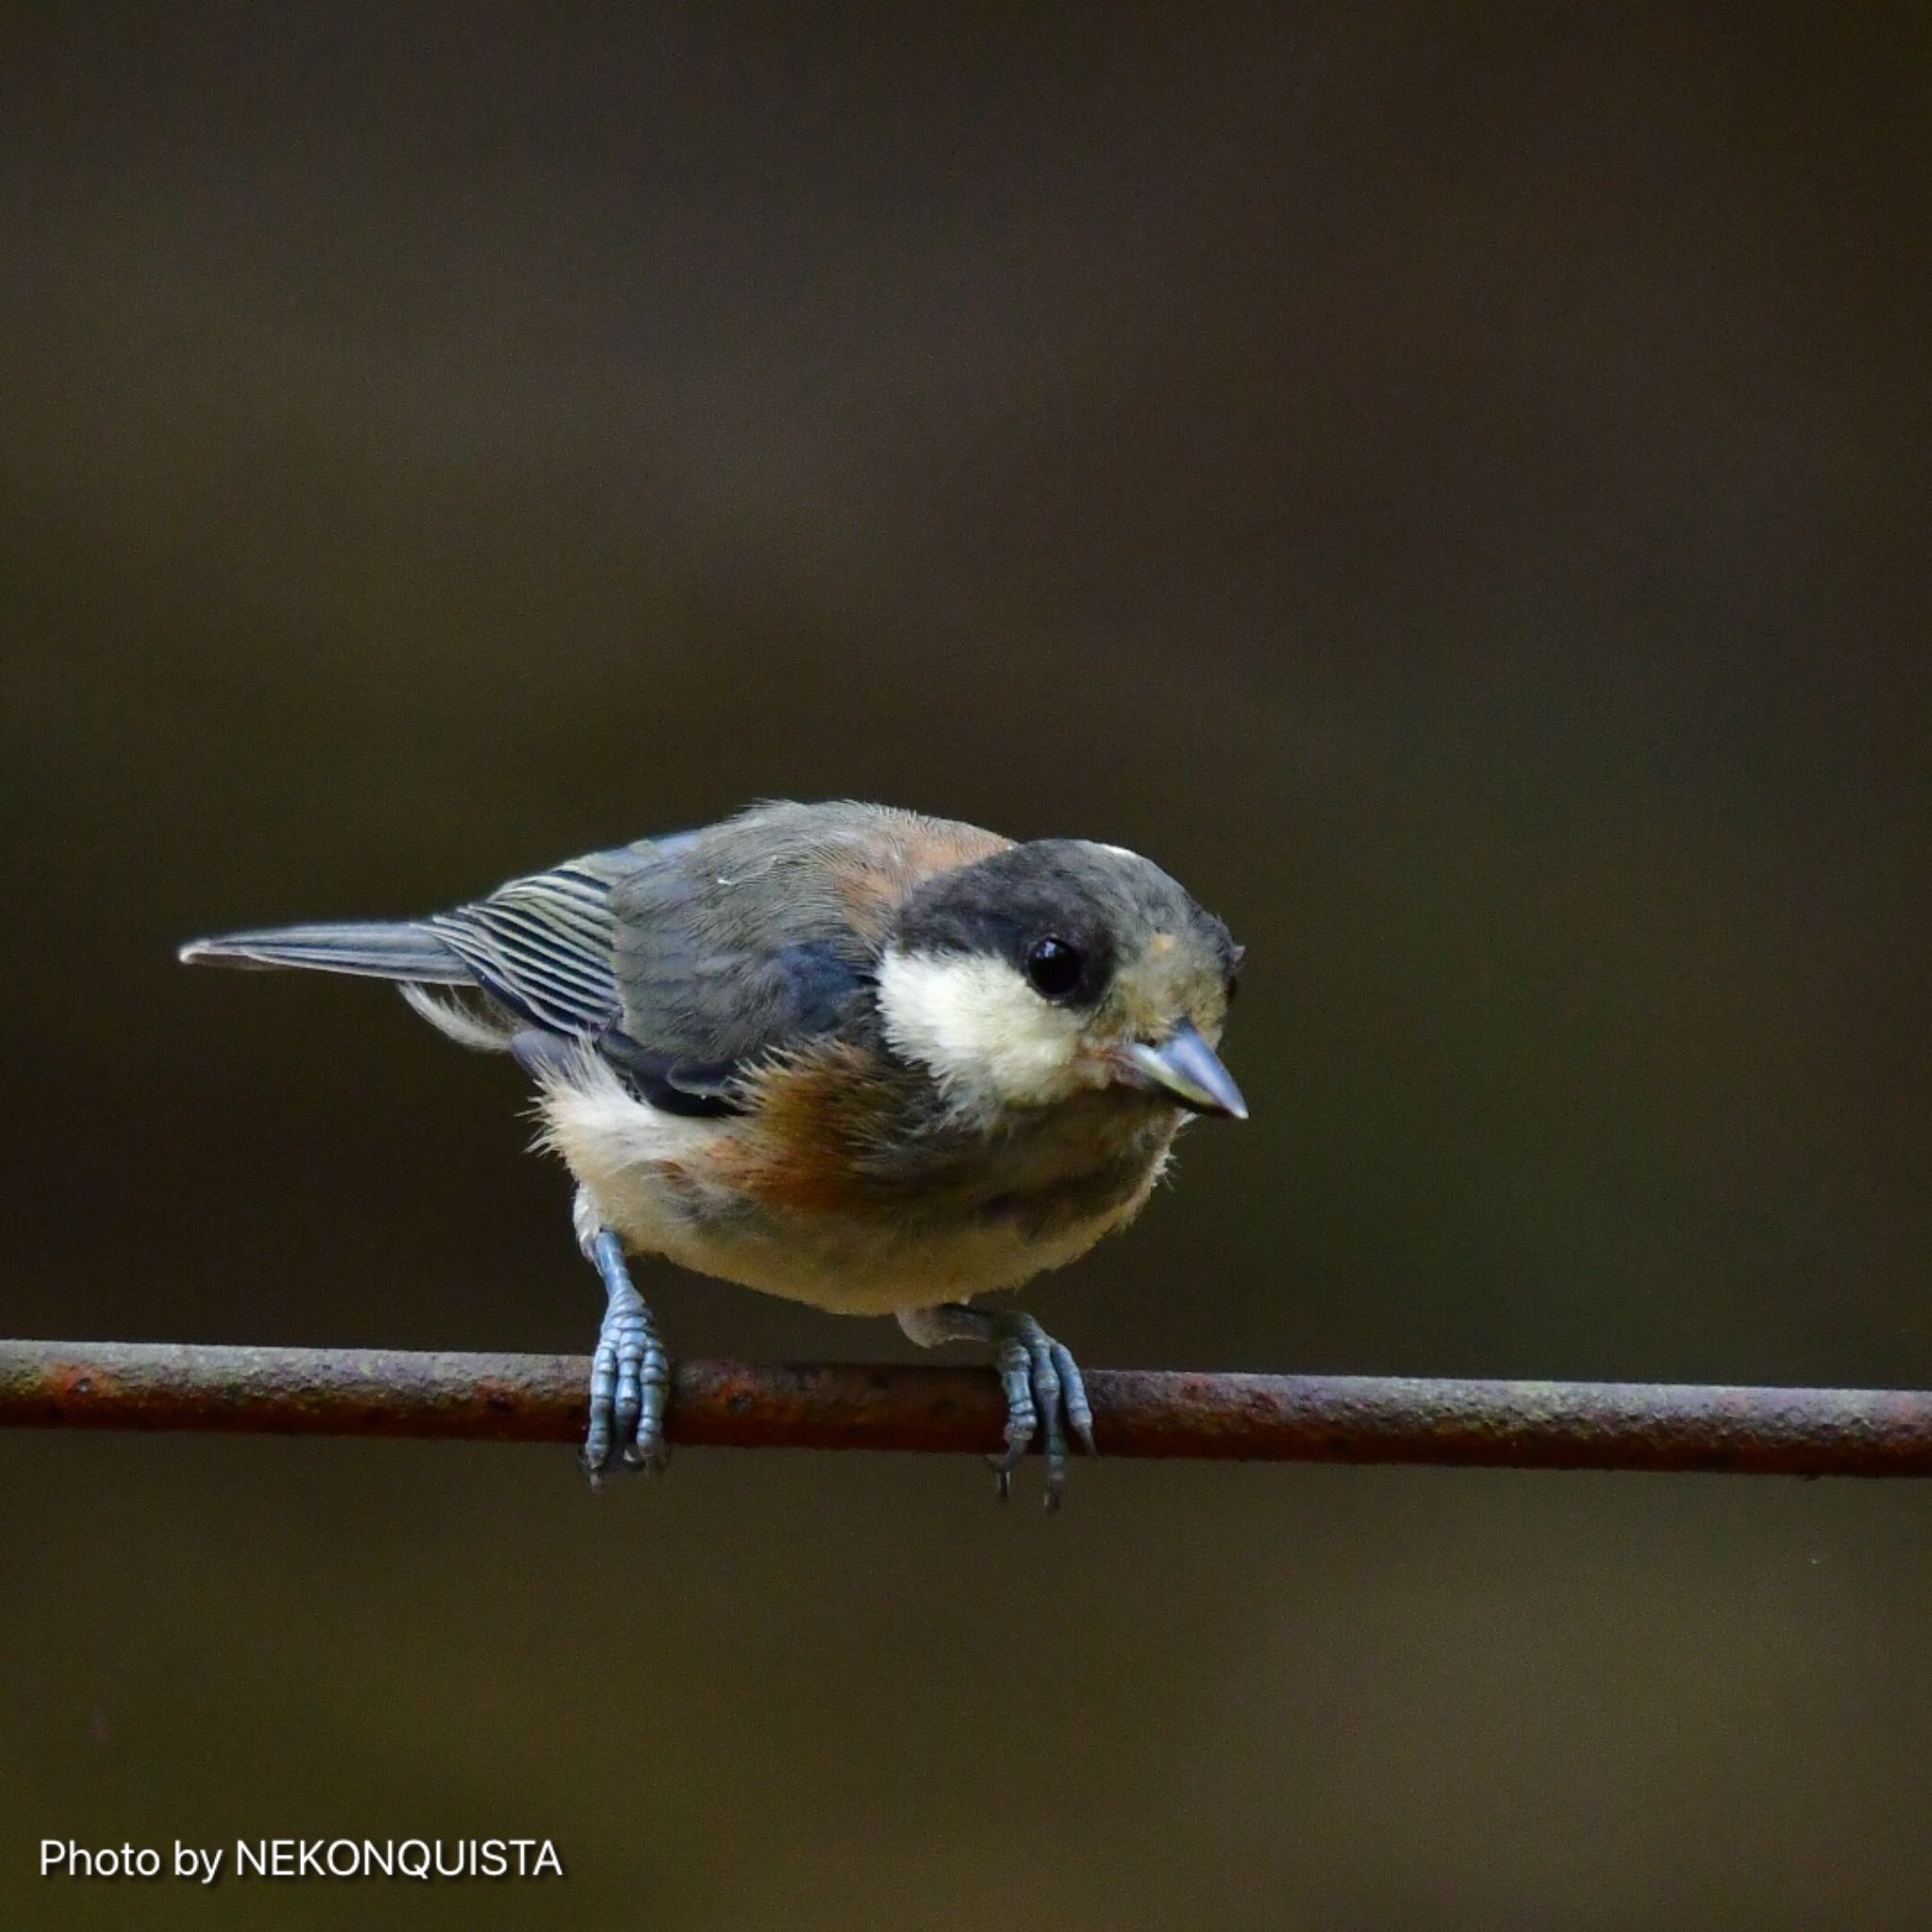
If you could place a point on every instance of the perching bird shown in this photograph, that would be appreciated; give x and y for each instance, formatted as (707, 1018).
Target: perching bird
(856, 1057)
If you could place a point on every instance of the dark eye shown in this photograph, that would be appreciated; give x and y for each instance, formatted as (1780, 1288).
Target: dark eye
(1054, 967)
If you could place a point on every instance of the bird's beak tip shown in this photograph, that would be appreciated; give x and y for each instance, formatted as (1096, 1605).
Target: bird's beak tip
(1186, 1067)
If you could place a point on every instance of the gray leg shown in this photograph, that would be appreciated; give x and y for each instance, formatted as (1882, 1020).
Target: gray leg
(630, 1375)
(1045, 1395)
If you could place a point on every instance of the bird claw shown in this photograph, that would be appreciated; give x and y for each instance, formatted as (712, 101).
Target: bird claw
(631, 1381)
(1045, 1397)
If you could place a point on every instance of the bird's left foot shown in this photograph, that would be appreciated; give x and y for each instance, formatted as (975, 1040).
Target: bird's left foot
(1046, 1395)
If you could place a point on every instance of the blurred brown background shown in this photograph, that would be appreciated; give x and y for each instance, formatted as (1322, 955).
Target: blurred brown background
(1450, 483)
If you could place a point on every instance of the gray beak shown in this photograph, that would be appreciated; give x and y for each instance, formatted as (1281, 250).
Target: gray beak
(1185, 1067)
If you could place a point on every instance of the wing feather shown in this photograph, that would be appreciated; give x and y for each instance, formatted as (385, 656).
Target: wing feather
(543, 945)
(683, 960)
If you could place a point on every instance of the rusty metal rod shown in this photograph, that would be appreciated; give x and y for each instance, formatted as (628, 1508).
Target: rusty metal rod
(527, 1398)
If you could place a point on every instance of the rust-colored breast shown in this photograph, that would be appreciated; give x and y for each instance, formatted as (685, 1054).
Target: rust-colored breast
(817, 1112)
(811, 1112)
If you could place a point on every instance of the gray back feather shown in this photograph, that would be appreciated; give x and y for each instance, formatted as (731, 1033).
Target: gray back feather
(682, 957)
(765, 929)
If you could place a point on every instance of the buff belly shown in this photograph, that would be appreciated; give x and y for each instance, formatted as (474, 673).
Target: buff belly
(645, 1170)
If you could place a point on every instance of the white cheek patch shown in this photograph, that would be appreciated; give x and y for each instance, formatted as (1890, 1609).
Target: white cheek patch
(978, 1028)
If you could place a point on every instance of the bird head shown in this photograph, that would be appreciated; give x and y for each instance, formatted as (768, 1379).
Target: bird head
(1055, 969)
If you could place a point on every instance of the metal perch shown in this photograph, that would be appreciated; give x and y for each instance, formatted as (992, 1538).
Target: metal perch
(527, 1398)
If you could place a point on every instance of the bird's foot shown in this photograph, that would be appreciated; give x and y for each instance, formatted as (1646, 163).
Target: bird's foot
(630, 1376)
(1045, 1397)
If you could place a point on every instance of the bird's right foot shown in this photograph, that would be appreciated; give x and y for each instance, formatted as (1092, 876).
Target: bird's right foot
(630, 1375)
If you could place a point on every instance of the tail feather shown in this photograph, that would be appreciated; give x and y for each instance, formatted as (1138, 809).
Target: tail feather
(370, 948)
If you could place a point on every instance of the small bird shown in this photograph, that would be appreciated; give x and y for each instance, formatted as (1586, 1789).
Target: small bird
(859, 1057)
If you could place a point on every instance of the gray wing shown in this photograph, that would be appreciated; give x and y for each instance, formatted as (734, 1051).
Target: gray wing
(680, 959)
(543, 945)
(764, 931)
(540, 947)
(685, 959)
